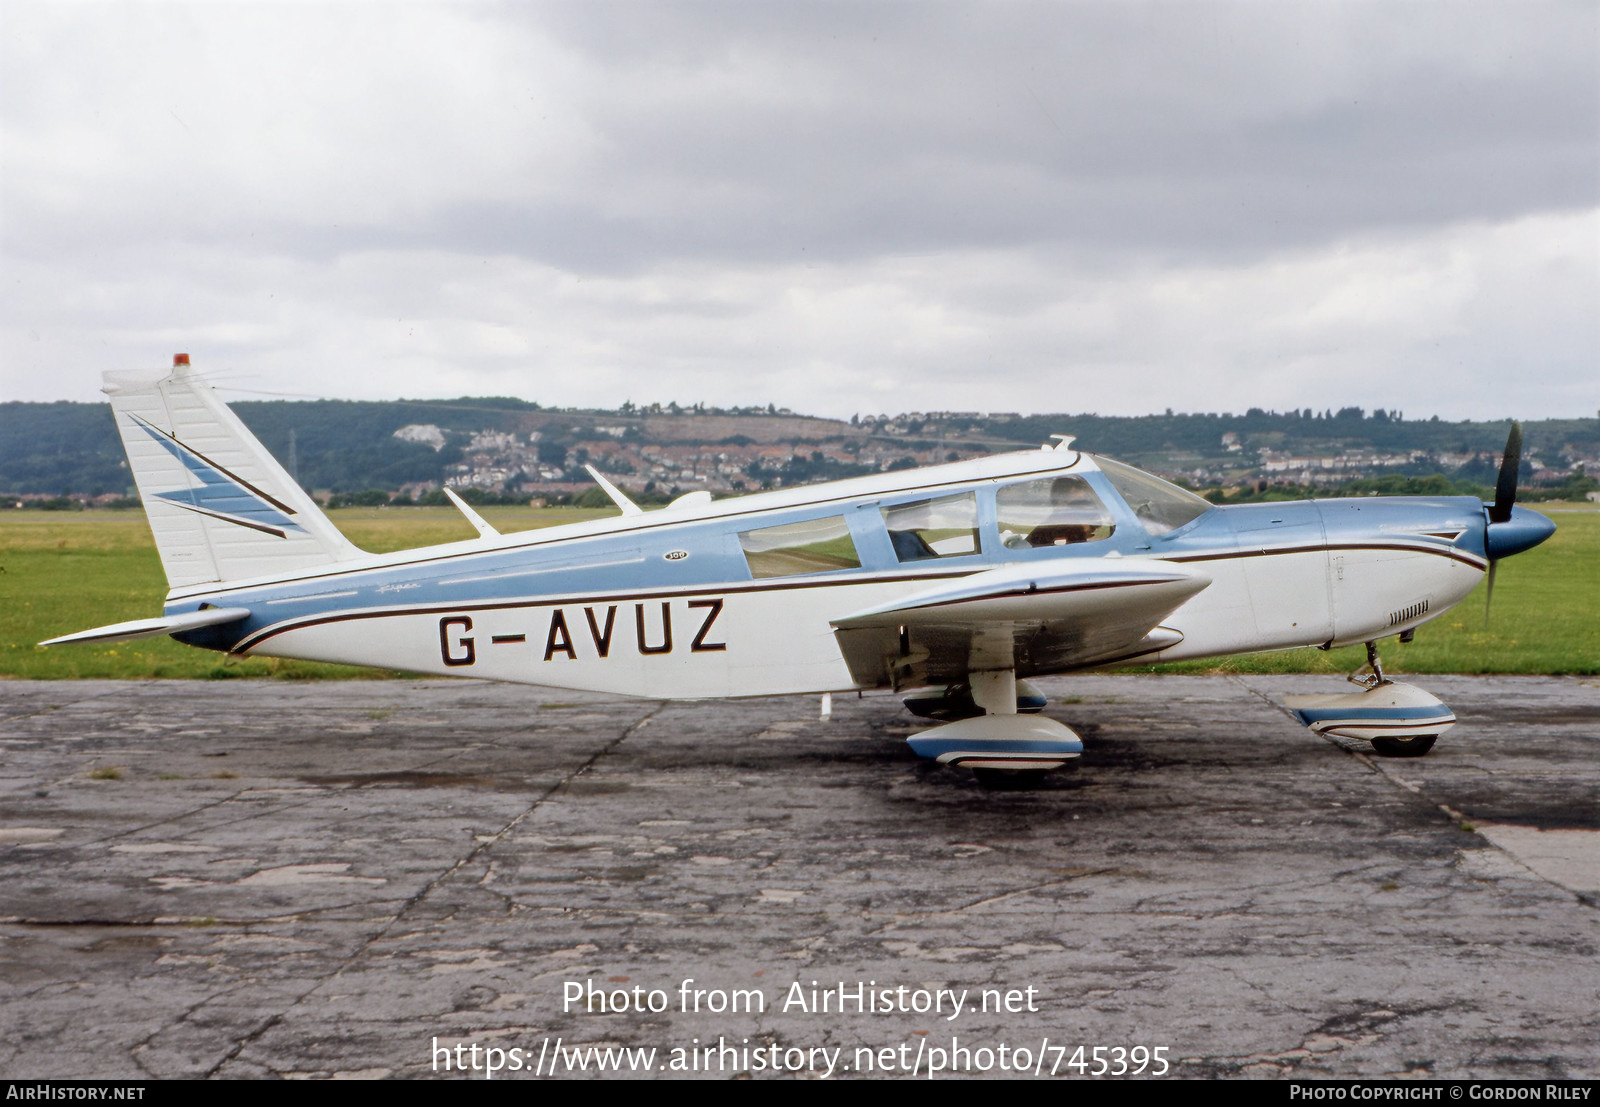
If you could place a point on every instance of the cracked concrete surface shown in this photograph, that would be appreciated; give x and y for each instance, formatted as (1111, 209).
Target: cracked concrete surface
(254, 879)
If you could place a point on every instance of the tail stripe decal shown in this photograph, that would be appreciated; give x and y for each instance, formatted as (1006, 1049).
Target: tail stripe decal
(221, 494)
(262, 527)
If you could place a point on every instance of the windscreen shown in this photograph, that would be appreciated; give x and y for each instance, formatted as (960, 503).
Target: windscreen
(1159, 506)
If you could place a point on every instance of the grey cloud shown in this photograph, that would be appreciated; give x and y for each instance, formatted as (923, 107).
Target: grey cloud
(1017, 173)
(750, 132)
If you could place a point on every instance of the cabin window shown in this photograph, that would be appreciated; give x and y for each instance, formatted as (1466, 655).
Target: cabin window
(1160, 507)
(814, 546)
(1056, 511)
(927, 529)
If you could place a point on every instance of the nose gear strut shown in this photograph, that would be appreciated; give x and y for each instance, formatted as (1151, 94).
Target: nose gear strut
(1374, 679)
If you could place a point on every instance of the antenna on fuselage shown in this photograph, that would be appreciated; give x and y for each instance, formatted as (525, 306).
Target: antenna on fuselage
(1063, 442)
(628, 506)
(484, 529)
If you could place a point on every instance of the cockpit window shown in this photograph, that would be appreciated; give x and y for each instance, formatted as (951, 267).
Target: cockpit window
(926, 529)
(1055, 511)
(812, 546)
(1159, 506)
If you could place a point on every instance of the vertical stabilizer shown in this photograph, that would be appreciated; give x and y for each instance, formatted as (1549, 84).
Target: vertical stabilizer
(219, 506)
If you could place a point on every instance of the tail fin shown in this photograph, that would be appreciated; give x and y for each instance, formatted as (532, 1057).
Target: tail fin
(220, 507)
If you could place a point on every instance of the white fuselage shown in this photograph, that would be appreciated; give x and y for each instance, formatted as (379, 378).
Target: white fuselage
(659, 604)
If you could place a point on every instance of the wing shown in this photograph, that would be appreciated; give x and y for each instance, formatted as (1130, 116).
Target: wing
(1035, 618)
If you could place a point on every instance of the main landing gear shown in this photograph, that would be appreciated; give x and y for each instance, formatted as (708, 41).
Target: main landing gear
(955, 702)
(988, 735)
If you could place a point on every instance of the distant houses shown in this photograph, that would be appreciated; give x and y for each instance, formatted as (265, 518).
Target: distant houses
(510, 447)
(653, 450)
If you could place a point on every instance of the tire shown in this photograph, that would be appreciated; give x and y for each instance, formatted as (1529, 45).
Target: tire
(951, 705)
(1414, 746)
(1009, 780)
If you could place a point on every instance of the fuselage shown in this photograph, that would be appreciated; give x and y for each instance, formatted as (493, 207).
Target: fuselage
(737, 597)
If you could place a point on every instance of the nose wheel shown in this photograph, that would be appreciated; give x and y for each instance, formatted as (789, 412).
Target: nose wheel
(1407, 745)
(1400, 720)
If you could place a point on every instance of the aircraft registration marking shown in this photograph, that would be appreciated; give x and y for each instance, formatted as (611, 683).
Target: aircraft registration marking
(652, 633)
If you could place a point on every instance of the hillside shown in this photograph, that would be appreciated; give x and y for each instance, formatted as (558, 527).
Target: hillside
(510, 446)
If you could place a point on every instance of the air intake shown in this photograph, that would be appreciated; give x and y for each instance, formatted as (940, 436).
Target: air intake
(1407, 614)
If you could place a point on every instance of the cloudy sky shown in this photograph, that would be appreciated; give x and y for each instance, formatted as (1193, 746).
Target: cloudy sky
(836, 207)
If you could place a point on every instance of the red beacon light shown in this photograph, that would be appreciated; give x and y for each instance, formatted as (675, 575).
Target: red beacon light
(179, 359)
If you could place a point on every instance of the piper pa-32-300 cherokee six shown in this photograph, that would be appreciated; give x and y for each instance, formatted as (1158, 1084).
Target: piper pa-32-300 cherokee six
(961, 578)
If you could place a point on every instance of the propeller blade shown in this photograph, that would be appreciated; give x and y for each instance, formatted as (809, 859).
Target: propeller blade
(1505, 489)
(1488, 601)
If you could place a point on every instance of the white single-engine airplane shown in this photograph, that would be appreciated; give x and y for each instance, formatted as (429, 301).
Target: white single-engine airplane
(963, 578)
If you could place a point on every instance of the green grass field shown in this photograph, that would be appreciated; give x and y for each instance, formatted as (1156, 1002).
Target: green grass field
(66, 571)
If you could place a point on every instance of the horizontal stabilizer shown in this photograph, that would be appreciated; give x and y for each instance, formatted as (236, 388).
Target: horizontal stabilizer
(153, 628)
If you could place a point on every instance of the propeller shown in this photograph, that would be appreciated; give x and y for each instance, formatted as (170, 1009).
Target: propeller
(1505, 489)
(1505, 498)
(1488, 600)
